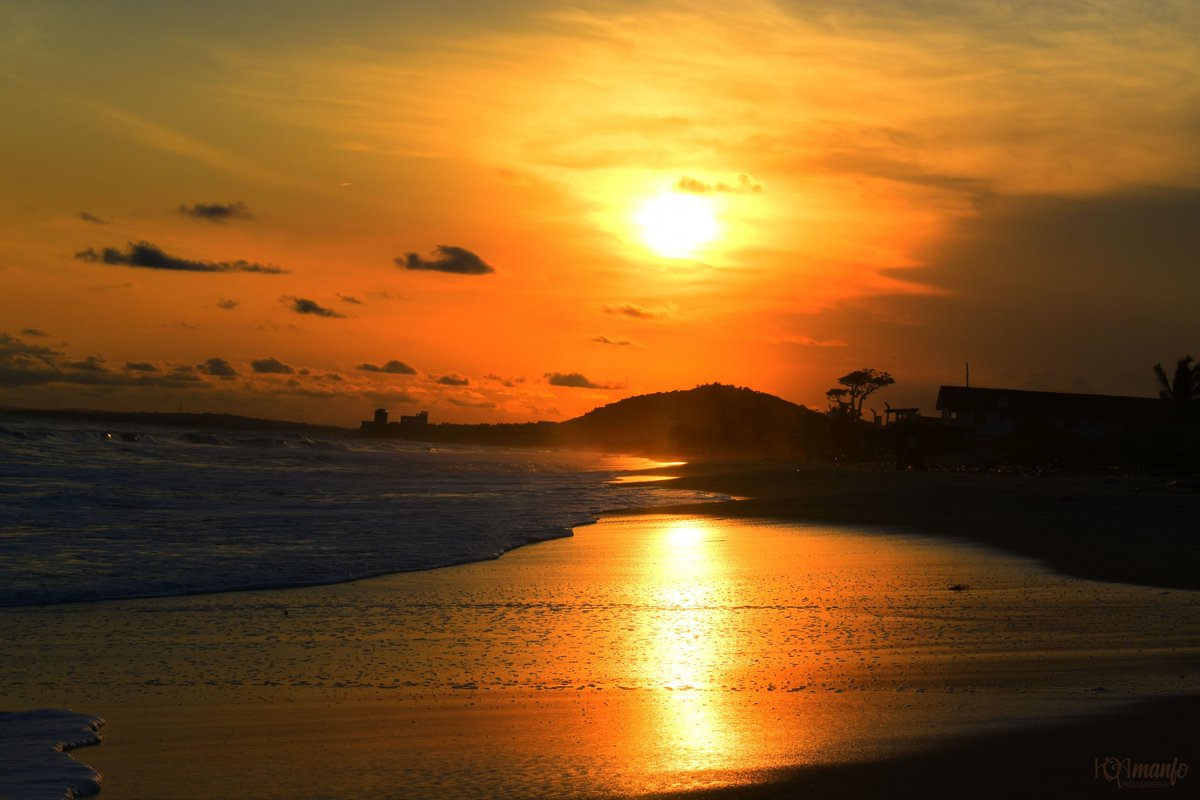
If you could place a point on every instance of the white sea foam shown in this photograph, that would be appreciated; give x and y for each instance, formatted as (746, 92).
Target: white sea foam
(34, 764)
(93, 513)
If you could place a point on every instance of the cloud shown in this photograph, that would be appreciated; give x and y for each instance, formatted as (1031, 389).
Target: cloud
(89, 364)
(23, 364)
(92, 218)
(447, 258)
(34, 332)
(303, 305)
(227, 304)
(506, 382)
(150, 256)
(804, 340)
(618, 342)
(453, 380)
(218, 368)
(140, 366)
(635, 311)
(271, 366)
(354, 301)
(572, 380)
(392, 367)
(471, 403)
(217, 212)
(743, 184)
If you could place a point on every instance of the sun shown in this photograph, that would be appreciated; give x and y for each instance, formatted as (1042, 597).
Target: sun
(676, 225)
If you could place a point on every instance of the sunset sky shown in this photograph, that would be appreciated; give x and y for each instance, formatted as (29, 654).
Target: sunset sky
(522, 210)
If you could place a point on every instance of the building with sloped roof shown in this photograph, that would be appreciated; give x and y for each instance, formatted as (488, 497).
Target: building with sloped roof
(998, 412)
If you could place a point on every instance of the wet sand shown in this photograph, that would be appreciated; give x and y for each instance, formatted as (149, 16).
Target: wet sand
(645, 655)
(1135, 528)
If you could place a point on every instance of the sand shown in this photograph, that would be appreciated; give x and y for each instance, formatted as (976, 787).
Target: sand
(650, 655)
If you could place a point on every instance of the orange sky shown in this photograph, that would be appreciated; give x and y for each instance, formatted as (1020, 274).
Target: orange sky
(213, 207)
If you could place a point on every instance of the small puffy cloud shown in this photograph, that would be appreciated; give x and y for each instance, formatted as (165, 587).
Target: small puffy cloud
(272, 366)
(447, 258)
(572, 380)
(218, 368)
(392, 367)
(216, 212)
(34, 332)
(92, 218)
(150, 256)
(226, 303)
(453, 380)
(302, 305)
(742, 184)
(140, 366)
(354, 301)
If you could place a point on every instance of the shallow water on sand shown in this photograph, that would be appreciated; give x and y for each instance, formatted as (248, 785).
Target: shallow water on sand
(645, 654)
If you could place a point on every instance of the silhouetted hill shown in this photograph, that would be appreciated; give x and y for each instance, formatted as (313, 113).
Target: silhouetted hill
(714, 419)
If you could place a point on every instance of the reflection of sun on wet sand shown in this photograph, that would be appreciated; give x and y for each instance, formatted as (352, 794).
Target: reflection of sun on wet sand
(646, 654)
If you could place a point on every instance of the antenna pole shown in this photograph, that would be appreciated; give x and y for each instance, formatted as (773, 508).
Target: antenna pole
(968, 374)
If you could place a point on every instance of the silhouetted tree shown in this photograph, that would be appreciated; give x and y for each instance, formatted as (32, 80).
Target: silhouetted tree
(1184, 385)
(856, 387)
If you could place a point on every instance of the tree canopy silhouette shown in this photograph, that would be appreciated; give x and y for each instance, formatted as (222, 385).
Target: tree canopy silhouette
(856, 387)
(1184, 385)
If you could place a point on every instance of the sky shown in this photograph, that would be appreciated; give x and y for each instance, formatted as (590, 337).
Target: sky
(507, 212)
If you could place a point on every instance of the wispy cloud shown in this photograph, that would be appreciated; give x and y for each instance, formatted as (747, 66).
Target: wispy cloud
(635, 311)
(150, 256)
(452, 380)
(742, 184)
(92, 218)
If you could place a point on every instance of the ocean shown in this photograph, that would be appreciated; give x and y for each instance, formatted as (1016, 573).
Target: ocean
(92, 512)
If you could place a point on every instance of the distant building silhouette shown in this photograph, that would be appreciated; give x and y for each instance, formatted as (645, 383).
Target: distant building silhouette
(998, 412)
(379, 426)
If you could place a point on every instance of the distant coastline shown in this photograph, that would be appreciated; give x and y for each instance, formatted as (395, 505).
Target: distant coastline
(173, 419)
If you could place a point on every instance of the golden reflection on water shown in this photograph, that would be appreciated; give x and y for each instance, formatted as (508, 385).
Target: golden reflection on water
(688, 721)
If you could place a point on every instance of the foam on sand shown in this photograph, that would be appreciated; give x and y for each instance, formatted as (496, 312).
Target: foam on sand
(34, 763)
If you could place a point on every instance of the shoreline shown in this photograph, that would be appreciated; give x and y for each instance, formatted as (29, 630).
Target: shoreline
(1048, 751)
(1080, 755)
(1132, 529)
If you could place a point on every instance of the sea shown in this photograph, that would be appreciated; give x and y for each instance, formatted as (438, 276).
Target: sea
(92, 512)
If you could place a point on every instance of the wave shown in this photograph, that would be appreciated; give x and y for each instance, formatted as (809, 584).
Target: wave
(88, 514)
(34, 763)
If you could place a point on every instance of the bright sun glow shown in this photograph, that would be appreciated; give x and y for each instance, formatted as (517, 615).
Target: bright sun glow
(677, 225)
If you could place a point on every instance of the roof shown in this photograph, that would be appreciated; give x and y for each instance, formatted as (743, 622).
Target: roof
(1020, 401)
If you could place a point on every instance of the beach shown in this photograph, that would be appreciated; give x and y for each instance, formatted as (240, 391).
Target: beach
(760, 648)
